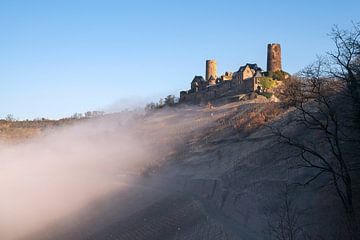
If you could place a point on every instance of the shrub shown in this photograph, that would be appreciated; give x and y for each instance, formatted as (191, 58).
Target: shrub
(267, 95)
(267, 83)
(278, 75)
(170, 100)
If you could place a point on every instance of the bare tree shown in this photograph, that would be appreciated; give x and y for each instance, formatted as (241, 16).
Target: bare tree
(345, 62)
(287, 221)
(10, 118)
(326, 96)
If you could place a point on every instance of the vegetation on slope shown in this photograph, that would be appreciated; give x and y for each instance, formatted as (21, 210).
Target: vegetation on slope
(278, 75)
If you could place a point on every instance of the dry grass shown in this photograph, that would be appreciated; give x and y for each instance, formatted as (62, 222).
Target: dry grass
(257, 116)
(231, 124)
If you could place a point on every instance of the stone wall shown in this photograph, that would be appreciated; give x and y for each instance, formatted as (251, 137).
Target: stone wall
(219, 90)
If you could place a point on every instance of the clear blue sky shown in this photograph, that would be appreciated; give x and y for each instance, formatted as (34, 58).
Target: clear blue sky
(58, 57)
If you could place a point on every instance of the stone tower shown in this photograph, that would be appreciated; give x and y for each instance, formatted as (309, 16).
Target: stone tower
(273, 57)
(210, 70)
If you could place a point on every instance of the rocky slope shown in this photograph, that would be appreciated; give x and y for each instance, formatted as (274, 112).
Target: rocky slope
(222, 177)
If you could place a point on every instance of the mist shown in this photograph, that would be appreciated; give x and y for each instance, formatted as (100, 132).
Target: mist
(56, 174)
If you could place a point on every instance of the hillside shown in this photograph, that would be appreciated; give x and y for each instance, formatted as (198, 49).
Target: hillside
(219, 173)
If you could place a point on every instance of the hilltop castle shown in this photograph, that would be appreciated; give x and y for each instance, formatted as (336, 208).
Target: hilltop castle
(245, 80)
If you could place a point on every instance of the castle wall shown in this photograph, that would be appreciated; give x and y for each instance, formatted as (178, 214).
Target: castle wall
(247, 85)
(214, 92)
(274, 57)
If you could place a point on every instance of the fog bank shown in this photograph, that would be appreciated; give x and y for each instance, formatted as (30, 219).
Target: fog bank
(52, 176)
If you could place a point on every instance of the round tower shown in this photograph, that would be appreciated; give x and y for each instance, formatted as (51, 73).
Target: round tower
(210, 70)
(273, 57)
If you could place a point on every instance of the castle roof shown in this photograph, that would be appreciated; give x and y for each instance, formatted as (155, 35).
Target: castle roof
(253, 66)
(198, 79)
(258, 74)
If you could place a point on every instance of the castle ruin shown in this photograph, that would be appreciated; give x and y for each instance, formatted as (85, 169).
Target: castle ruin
(246, 79)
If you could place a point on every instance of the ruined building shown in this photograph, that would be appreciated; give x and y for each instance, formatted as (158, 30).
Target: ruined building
(244, 80)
